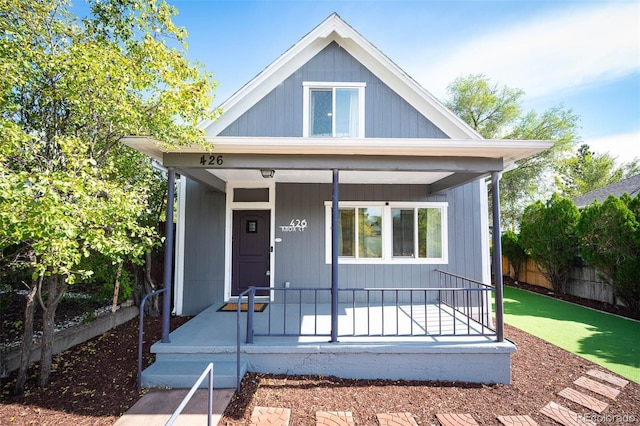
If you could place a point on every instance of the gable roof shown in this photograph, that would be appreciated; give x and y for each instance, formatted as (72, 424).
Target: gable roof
(630, 186)
(334, 29)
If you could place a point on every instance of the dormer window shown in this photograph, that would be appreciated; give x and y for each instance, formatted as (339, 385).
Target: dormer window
(333, 110)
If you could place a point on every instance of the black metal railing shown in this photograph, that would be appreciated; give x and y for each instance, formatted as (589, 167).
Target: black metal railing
(457, 307)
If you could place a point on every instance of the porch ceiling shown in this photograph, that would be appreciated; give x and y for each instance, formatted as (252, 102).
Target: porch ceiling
(326, 176)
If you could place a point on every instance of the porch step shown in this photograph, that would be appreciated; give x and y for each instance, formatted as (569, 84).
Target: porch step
(184, 374)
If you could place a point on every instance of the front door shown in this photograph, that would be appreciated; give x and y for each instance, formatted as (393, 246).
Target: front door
(251, 260)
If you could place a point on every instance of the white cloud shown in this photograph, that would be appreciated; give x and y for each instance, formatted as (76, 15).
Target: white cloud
(625, 147)
(577, 47)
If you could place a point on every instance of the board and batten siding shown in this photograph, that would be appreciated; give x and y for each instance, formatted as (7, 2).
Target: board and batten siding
(203, 282)
(300, 256)
(279, 113)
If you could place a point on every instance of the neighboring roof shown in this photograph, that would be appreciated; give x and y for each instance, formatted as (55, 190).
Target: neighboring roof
(630, 186)
(334, 29)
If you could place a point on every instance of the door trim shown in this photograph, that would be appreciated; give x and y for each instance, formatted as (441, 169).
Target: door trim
(233, 206)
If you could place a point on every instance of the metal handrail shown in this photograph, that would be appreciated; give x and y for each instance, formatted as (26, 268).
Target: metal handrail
(448, 277)
(141, 332)
(207, 371)
(250, 293)
(468, 301)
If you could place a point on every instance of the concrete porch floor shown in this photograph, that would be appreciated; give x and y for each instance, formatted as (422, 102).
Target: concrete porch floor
(407, 325)
(211, 337)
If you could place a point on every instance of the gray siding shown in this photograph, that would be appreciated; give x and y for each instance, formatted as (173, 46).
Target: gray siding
(204, 248)
(279, 114)
(300, 256)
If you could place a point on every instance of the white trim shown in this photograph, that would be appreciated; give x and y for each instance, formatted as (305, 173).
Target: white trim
(509, 150)
(485, 255)
(307, 86)
(231, 206)
(387, 249)
(484, 231)
(178, 273)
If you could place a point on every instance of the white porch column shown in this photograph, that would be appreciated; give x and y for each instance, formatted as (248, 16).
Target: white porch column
(497, 254)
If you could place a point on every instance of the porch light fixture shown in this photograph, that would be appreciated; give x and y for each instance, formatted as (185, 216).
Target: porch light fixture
(267, 173)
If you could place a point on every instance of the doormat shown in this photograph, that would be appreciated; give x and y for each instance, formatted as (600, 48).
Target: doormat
(233, 307)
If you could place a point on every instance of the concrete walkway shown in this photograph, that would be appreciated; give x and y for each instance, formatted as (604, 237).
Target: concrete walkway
(157, 406)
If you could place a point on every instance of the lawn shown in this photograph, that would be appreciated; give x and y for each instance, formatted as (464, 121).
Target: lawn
(608, 340)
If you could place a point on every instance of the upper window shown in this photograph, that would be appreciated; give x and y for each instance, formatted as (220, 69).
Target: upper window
(333, 110)
(389, 232)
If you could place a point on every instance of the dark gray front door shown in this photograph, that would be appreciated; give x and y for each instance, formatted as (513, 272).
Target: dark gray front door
(251, 248)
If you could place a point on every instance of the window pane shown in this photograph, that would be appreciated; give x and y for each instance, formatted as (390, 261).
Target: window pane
(347, 113)
(321, 107)
(346, 232)
(370, 232)
(430, 233)
(403, 232)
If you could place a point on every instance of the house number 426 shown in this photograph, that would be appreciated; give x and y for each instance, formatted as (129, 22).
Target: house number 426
(211, 160)
(296, 225)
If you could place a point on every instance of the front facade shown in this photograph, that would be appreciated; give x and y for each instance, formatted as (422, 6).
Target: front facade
(332, 120)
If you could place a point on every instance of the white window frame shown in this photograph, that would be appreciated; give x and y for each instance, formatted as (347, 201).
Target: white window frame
(387, 233)
(306, 99)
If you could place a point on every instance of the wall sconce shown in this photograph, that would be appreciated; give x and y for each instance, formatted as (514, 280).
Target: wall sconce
(267, 173)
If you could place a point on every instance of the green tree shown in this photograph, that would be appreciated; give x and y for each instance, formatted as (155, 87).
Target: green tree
(496, 113)
(587, 171)
(70, 89)
(548, 234)
(513, 251)
(610, 241)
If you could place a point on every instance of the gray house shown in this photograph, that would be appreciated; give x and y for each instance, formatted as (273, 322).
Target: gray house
(393, 283)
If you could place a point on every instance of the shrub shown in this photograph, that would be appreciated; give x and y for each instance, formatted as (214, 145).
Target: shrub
(513, 251)
(548, 234)
(610, 237)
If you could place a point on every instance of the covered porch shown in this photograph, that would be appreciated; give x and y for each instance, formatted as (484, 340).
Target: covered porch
(444, 339)
(432, 329)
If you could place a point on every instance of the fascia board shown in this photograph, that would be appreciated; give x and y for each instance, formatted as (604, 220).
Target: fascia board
(508, 150)
(275, 73)
(412, 92)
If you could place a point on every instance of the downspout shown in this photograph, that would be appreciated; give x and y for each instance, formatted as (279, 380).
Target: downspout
(497, 254)
(168, 256)
(334, 256)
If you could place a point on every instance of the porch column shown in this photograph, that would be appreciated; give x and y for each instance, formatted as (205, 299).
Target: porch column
(334, 255)
(168, 256)
(497, 254)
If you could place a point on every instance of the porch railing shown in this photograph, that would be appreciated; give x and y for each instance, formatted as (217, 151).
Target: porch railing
(457, 307)
(463, 304)
(478, 304)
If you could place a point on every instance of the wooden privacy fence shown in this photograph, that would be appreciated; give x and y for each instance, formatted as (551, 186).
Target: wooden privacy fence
(529, 273)
(583, 282)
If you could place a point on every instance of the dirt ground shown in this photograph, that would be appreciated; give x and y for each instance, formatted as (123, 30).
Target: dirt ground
(95, 382)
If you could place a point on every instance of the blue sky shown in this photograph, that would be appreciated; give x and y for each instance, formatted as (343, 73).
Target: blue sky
(583, 54)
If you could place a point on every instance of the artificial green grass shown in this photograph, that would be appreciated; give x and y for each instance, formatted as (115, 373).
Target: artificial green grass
(608, 340)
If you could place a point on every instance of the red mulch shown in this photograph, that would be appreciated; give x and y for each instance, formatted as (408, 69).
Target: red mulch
(95, 382)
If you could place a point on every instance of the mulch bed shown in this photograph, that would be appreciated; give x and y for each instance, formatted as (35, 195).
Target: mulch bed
(95, 382)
